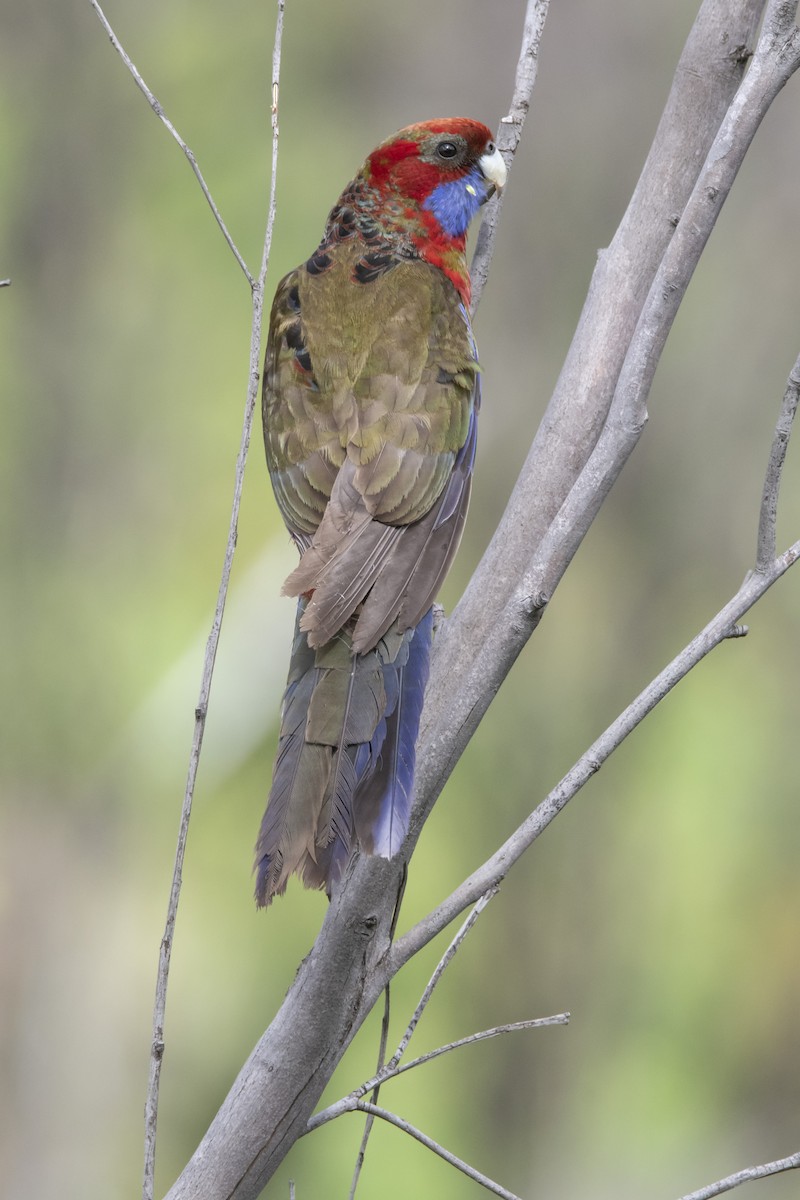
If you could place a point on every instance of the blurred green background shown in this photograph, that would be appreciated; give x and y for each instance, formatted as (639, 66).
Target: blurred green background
(662, 908)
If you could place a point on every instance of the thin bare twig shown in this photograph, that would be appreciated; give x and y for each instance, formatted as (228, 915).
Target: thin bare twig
(448, 1157)
(162, 116)
(441, 967)
(159, 1007)
(746, 1176)
(508, 138)
(349, 1103)
(482, 1036)
(376, 1086)
(772, 480)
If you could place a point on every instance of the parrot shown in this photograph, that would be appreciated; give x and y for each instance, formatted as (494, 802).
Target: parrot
(370, 399)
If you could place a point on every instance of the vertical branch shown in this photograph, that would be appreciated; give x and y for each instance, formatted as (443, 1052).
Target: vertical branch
(508, 138)
(159, 1007)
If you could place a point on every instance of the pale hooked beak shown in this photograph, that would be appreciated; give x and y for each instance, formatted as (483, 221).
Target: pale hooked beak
(493, 167)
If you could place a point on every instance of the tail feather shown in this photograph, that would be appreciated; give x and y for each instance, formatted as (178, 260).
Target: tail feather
(384, 802)
(345, 762)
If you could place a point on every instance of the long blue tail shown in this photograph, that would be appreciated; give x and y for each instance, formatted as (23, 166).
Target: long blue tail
(346, 754)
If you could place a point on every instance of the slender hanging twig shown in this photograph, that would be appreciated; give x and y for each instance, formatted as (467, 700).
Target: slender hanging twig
(257, 290)
(162, 116)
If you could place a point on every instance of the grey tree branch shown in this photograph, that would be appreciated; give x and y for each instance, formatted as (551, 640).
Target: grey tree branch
(257, 290)
(721, 627)
(271, 1101)
(508, 139)
(598, 410)
(441, 967)
(387, 1071)
(746, 1176)
(766, 547)
(351, 1102)
(162, 116)
(458, 1163)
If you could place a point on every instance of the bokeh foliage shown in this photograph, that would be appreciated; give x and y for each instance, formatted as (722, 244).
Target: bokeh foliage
(662, 908)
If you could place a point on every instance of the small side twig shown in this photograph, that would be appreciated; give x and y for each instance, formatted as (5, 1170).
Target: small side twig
(508, 138)
(162, 116)
(441, 967)
(448, 1157)
(792, 1163)
(351, 1102)
(765, 552)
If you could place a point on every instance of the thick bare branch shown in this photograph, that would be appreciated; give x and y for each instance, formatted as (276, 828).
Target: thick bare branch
(597, 413)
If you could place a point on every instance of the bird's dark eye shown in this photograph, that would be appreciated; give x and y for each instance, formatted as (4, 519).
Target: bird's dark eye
(490, 147)
(447, 149)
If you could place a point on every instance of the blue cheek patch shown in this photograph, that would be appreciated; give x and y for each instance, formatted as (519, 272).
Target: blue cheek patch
(455, 203)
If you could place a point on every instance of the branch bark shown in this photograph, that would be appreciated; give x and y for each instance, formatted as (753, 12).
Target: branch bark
(635, 291)
(792, 1163)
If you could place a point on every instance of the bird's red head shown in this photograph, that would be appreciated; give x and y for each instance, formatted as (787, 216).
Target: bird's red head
(431, 179)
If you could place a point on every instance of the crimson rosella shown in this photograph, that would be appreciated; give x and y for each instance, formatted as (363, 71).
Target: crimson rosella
(370, 401)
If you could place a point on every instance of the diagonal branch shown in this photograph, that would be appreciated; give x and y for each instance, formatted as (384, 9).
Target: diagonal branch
(494, 870)
(162, 116)
(746, 1176)
(532, 548)
(448, 1157)
(351, 1102)
(721, 627)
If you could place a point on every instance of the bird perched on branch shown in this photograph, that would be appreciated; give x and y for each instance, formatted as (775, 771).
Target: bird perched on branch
(370, 401)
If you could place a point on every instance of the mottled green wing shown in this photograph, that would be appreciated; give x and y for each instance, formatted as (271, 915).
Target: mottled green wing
(369, 399)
